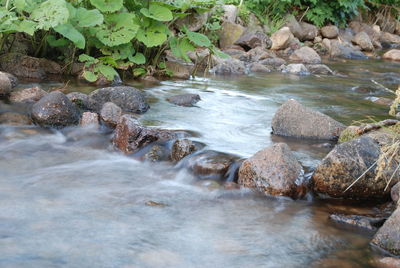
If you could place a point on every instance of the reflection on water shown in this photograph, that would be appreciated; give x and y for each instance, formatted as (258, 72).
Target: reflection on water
(67, 199)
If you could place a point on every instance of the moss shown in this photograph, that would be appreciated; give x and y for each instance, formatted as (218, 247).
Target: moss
(347, 135)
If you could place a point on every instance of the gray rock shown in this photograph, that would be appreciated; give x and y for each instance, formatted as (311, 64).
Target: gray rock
(388, 39)
(229, 66)
(308, 32)
(80, 99)
(27, 95)
(273, 63)
(346, 51)
(358, 221)
(253, 39)
(281, 39)
(129, 99)
(319, 69)
(180, 69)
(395, 192)
(229, 34)
(362, 39)
(55, 110)
(110, 114)
(259, 68)
(230, 13)
(187, 100)
(89, 119)
(305, 55)
(295, 120)
(330, 32)
(299, 69)
(5, 84)
(181, 149)
(273, 171)
(194, 21)
(388, 236)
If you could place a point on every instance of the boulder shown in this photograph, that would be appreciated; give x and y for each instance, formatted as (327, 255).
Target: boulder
(273, 63)
(28, 67)
(182, 148)
(230, 13)
(295, 120)
(319, 69)
(281, 39)
(229, 34)
(395, 192)
(110, 114)
(129, 135)
(55, 110)
(346, 163)
(308, 32)
(5, 84)
(89, 119)
(393, 54)
(330, 32)
(388, 39)
(362, 39)
(273, 171)
(358, 27)
(80, 99)
(180, 69)
(259, 68)
(229, 66)
(14, 119)
(253, 39)
(259, 53)
(129, 99)
(27, 95)
(187, 100)
(388, 236)
(305, 55)
(299, 69)
(343, 50)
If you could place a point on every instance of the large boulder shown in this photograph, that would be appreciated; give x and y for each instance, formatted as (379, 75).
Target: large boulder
(229, 66)
(5, 84)
(229, 34)
(27, 95)
(295, 120)
(253, 39)
(281, 39)
(347, 162)
(273, 171)
(55, 110)
(358, 27)
(129, 99)
(362, 39)
(305, 55)
(344, 50)
(393, 54)
(388, 236)
(330, 32)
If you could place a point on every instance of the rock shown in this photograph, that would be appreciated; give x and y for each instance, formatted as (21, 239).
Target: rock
(80, 99)
(330, 32)
(157, 153)
(308, 32)
(187, 100)
(194, 21)
(27, 95)
(89, 119)
(14, 119)
(306, 55)
(28, 67)
(299, 69)
(229, 34)
(281, 39)
(230, 13)
(381, 101)
(387, 262)
(55, 110)
(12, 78)
(362, 39)
(273, 63)
(253, 39)
(358, 221)
(181, 149)
(110, 114)
(395, 192)
(335, 263)
(129, 135)
(259, 68)
(388, 39)
(347, 162)
(129, 99)
(295, 120)
(180, 69)
(388, 236)
(210, 165)
(393, 54)
(229, 66)
(358, 27)
(346, 51)
(5, 84)
(319, 69)
(273, 171)
(326, 43)
(258, 54)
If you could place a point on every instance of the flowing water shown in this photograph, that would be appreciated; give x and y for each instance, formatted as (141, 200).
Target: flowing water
(68, 200)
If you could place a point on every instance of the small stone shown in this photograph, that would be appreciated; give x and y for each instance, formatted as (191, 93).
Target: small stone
(27, 95)
(181, 149)
(5, 84)
(393, 54)
(110, 114)
(299, 69)
(90, 119)
(187, 100)
(306, 55)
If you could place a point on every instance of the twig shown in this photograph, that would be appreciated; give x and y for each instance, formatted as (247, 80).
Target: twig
(390, 180)
(362, 175)
(383, 87)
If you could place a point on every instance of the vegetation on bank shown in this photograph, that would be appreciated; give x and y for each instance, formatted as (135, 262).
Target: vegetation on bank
(132, 35)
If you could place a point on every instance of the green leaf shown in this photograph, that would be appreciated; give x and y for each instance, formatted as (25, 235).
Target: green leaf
(118, 29)
(107, 5)
(90, 76)
(180, 47)
(157, 12)
(139, 72)
(69, 32)
(198, 39)
(138, 59)
(87, 58)
(154, 35)
(50, 13)
(108, 60)
(20, 4)
(88, 18)
(108, 71)
(219, 53)
(27, 26)
(51, 39)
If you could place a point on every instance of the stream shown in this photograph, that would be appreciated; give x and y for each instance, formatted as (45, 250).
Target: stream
(67, 199)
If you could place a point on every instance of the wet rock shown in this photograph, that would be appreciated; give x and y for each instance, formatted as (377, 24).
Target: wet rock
(343, 50)
(305, 55)
(281, 39)
(299, 69)
(130, 136)
(362, 39)
(27, 95)
(229, 34)
(210, 165)
(358, 221)
(330, 32)
(80, 99)
(347, 162)
(259, 68)
(181, 149)
(319, 69)
(14, 119)
(393, 54)
(395, 192)
(230, 12)
(110, 114)
(180, 69)
(273, 63)
(89, 119)
(5, 84)
(293, 119)
(334, 263)
(156, 153)
(253, 39)
(273, 171)
(388, 236)
(28, 67)
(258, 54)
(187, 100)
(388, 39)
(387, 262)
(229, 66)
(129, 99)
(55, 110)
(194, 21)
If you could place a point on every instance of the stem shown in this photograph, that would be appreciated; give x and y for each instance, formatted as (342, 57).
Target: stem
(41, 44)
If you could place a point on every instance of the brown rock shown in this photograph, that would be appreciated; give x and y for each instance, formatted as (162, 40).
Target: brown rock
(393, 54)
(362, 39)
(229, 34)
(89, 119)
(27, 95)
(281, 39)
(308, 32)
(253, 39)
(306, 55)
(259, 68)
(180, 69)
(330, 32)
(229, 66)
(388, 236)
(389, 39)
(181, 149)
(358, 221)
